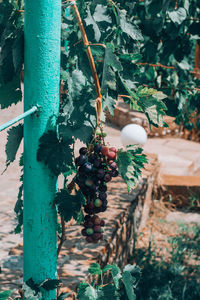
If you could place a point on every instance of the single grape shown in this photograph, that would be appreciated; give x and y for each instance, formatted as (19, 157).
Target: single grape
(107, 178)
(114, 173)
(97, 163)
(88, 167)
(96, 236)
(102, 196)
(84, 233)
(113, 149)
(89, 239)
(87, 218)
(97, 148)
(82, 160)
(91, 158)
(87, 210)
(102, 188)
(100, 173)
(91, 205)
(83, 150)
(96, 220)
(111, 155)
(89, 231)
(104, 150)
(89, 182)
(88, 224)
(97, 228)
(97, 203)
(113, 165)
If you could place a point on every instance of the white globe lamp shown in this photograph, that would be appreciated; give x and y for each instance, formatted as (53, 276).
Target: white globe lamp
(133, 134)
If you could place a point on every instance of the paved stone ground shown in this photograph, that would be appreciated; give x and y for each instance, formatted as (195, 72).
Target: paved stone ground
(176, 157)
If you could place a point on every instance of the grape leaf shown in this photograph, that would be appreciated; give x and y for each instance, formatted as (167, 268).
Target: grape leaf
(79, 115)
(152, 105)
(116, 275)
(109, 292)
(130, 164)
(69, 205)
(5, 295)
(50, 284)
(95, 269)
(56, 153)
(128, 282)
(14, 138)
(10, 93)
(129, 28)
(34, 286)
(107, 268)
(86, 292)
(19, 210)
(178, 15)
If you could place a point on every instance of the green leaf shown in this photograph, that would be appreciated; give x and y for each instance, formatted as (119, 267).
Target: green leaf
(108, 84)
(10, 93)
(131, 57)
(178, 16)
(86, 292)
(116, 275)
(152, 105)
(19, 210)
(56, 153)
(34, 286)
(50, 284)
(14, 138)
(111, 64)
(69, 205)
(130, 164)
(95, 269)
(129, 28)
(107, 268)
(91, 21)
(90, 293)
(128, 282)
(5, 295)
(109, 292)
(81, 289)
(79, 115)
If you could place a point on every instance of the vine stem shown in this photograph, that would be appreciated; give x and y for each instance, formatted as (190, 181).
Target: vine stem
(63, 237)
(91, 61)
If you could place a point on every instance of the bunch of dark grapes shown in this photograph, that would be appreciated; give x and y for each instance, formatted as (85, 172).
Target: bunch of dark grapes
(96, 166)
(93, 228)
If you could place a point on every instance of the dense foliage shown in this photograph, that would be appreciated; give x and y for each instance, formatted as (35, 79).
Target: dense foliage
(171, 32)
(110, 283)
(175, 275)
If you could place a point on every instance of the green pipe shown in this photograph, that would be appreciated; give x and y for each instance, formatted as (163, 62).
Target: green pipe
(41, 85)
(18, 118)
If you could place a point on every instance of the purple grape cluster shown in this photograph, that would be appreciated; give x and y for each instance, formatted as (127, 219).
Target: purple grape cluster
(93, 228)
(95, 168)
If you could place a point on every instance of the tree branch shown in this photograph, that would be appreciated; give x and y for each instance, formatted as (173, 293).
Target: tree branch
(91, 61)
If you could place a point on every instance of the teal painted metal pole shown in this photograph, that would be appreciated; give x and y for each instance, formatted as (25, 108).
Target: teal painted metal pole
(18, 118)
(41, 86)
